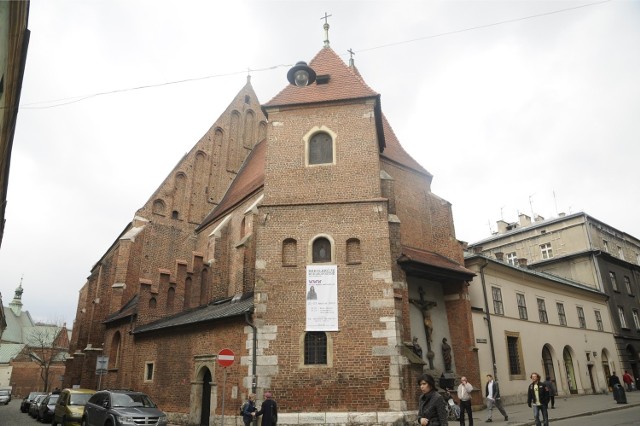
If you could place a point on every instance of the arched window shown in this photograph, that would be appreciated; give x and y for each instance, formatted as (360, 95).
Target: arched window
(321, 252)
(315, 348)
(321, 149)
(353, 251)
(187, 293)
(114, 352)
(289, 249)
(158, 207)
(152, 303)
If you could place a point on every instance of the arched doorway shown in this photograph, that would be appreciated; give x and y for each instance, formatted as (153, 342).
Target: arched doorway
(568, 366)
(605, 367)
(547, 361)
(206, 398)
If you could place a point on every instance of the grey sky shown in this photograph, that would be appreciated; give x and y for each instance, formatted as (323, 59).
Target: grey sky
(503, 115)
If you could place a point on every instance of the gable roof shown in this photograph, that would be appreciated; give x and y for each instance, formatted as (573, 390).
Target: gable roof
(396, 153)
(427, 261)
(345, 83)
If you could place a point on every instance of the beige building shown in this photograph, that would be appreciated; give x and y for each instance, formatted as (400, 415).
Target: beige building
(527, 321)
(583, 249)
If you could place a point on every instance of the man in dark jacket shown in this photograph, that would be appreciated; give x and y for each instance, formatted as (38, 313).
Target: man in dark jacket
(492, 391)
(538, 397)
(269, 411)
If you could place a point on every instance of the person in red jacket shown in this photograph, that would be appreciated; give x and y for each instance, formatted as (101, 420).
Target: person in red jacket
(627, 379)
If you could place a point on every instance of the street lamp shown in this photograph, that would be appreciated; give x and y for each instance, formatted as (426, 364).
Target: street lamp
(301, 74)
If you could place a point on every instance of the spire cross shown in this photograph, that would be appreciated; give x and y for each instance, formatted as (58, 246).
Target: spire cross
(326, 29)
(351, 52)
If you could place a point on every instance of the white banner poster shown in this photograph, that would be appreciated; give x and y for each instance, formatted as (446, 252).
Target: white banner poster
(322, 298)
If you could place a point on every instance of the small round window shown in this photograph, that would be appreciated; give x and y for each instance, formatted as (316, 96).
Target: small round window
(321, 149)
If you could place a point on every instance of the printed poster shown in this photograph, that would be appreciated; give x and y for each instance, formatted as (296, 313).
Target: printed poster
(322, 298)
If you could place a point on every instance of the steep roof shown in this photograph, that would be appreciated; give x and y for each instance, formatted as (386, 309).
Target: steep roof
(345, 83)
(395, 152)
(434, 262)
(249, 179)
(16, 325)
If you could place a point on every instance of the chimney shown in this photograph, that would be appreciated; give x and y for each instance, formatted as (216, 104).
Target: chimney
(524, 220)
(500, 256)
(538, 218)
(562, 214)
(477, 249)
(522, 262)
(502, 226)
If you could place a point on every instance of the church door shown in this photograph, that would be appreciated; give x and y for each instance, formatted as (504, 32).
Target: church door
(206, 399)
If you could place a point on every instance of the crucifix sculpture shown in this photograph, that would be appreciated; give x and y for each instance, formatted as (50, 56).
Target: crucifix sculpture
(425, 306)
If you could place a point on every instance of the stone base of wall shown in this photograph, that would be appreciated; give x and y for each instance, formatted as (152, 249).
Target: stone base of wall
(387, 418)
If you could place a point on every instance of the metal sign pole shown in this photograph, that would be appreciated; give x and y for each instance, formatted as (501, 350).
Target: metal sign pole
(224, 386)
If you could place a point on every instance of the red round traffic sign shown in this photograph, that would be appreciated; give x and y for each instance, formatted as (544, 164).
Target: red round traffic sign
(226, 357)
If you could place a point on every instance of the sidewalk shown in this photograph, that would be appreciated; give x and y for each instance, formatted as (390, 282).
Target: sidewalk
(573, 406)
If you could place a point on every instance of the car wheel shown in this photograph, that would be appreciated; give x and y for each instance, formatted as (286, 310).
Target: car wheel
(84, 422)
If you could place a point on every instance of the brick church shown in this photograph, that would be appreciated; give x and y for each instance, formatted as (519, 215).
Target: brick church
(300, 235)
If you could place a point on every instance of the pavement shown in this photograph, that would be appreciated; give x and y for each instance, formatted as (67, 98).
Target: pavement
(566, 408)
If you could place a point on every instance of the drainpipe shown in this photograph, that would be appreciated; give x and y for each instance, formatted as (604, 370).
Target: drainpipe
(488, 317)
(254, 379)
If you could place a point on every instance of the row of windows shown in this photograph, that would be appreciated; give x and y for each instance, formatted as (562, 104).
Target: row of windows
(623, 319)
(546, 252)
(322, 251)
(498, 309)
(614, 283)
(605, 246)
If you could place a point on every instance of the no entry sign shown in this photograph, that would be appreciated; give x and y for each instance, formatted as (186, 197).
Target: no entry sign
(226, 357)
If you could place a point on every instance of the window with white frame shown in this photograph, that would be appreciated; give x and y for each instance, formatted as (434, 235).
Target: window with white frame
(522, 306)
(581, 319)
(542, 311)
(320, 149)
(546, 250)
(614, 282)
(623, 321)
(562, 317)
(636, 319)
(498, 308)
(512, 258)
(148, 371)
(627, 285)
(599, 321)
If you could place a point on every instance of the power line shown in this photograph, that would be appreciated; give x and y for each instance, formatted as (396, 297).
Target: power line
(75, 99)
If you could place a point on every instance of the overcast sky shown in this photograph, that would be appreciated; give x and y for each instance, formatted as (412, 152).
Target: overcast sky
(513, 106)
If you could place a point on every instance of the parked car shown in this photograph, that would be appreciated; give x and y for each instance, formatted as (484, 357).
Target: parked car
(122, 408)
(5, 396)
(45, 411)
(26, 403)
(70, 406)
(33, 408)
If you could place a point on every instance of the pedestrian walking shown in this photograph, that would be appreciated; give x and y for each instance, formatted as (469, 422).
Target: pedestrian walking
(431, 407)
(464, 395)
(248, 408)
(627, 379)
(268, 411)
(538, 397)
(614, 380)
(492, 391)
(552, 391)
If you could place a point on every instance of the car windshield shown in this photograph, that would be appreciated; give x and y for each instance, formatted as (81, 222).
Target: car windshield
(79, 398)
(4, 392)
(132, 400)
(53, 399)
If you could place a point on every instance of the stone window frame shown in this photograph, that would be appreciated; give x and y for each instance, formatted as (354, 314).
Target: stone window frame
(636, 319)
(515, 356)
(329, 349)
(598, 316)
(622, 318)
(310, 250)
(521, 301)
(546, 251)
(307, 138)
(582, 321)
(512, 258)
(496, 296)
(149, 371)
(562, 316)
(542, 311)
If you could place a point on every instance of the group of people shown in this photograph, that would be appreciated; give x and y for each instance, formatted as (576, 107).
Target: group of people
(432, 407)
(268, 410)
(626, 378)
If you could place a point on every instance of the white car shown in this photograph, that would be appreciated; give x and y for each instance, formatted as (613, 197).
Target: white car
(5, 397)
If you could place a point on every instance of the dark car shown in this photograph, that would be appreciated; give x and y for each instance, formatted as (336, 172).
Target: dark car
(122, 408)
(35, 404)
(47, 406)
(26, 403)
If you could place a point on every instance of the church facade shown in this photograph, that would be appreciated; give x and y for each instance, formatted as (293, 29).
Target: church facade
(301, 236)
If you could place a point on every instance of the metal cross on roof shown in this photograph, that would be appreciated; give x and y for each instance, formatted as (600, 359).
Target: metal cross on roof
(326, 29)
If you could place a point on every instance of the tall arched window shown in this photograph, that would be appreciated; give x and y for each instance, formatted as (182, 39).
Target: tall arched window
(171, 295)
(114, 352)
(315, 348)
(353, 251)
(289, 248)
(152, 303)
(321, 149)
(321, 251)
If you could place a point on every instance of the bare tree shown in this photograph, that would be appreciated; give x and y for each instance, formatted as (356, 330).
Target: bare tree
(47, 346)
